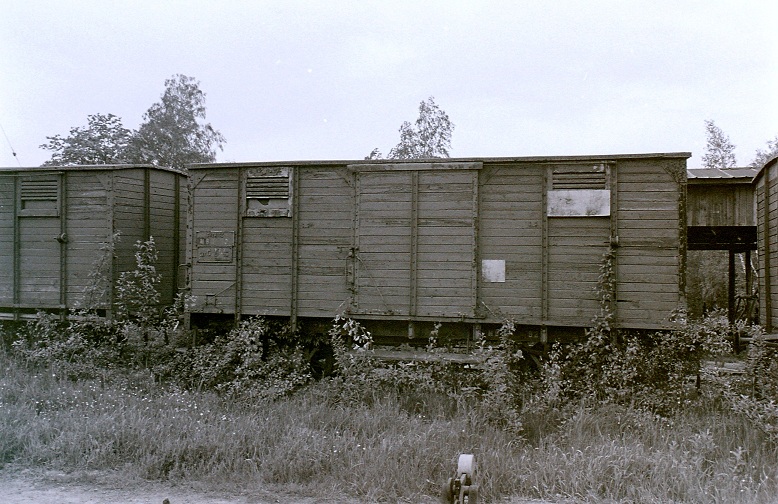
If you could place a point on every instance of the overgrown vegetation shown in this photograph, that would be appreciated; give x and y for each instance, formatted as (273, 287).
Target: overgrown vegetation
(618, 416)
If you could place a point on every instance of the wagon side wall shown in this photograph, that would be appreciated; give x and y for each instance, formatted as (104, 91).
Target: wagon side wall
(767, 238)
(651, 255)
(88, 228)
(325, 231)
(7, 250)
(163, 213)
(212, 247)
(510, 233)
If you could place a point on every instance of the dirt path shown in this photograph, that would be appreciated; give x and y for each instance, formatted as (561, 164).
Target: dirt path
(51, 487)
(26, 487)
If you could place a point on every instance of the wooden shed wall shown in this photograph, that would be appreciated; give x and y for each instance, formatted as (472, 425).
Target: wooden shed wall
(711, 204)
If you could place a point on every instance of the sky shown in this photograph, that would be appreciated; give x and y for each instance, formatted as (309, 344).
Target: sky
(299, 80)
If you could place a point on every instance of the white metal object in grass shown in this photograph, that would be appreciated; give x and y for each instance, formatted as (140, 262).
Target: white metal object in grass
(460, 489)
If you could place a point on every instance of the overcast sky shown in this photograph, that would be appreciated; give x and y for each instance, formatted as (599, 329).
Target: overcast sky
(289, 80)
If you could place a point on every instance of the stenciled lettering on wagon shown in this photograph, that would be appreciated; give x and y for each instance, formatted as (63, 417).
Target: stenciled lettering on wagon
(215, 246)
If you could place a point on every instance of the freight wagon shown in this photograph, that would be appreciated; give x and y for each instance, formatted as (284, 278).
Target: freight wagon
(56, 224)
(464, 242)
(766, 192)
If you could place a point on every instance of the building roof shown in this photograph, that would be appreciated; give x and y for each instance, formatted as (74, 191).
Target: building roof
(717, 175)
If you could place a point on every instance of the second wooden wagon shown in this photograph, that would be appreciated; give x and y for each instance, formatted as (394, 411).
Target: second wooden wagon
(463, 241)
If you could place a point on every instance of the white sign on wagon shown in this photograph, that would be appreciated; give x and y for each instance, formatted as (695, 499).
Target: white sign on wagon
(493, 270)
(579, 203)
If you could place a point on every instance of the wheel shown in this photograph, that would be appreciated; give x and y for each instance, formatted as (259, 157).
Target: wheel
(466, 465)
(447, 496)
(472, 494)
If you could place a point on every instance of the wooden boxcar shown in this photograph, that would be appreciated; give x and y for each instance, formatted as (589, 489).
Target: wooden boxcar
(468, 241)
(766, 189)
(56, 223)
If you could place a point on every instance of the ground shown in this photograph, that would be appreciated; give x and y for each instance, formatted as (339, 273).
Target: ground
(53, 487)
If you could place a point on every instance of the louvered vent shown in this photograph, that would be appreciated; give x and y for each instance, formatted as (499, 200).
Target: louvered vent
(579, 177)
(39, 190)
(268, 192)
(267, 187)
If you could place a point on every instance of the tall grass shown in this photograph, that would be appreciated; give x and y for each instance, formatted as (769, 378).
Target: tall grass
(387, 449)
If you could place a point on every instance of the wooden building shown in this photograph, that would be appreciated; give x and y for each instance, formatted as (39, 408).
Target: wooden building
(766, 193)
(56, 223)
(468, 241)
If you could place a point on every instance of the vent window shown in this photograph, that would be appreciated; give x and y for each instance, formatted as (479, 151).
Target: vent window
(39, 197)
(579, 191)
(579, 177)
(268, 192)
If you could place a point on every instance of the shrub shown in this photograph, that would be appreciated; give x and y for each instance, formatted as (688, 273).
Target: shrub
(245, 361)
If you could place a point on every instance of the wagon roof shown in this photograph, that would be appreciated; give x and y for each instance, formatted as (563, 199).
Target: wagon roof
(495, 160)
(105, 167)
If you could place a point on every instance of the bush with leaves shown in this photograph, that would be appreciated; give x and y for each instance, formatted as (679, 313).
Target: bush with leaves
(754, 392)
(73, 349)
(137, 296)
(247, 361)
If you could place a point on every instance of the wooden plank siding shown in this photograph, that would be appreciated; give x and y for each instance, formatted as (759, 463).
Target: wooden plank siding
(469, 240)
(7, 239)
(130, 219)
(163, 215)
(383, 241)
(720, 202)
(326, 221)
(651, 254)
(511, 211)
(766, 194)
(214, 209)
(89, 229)
(68, 226)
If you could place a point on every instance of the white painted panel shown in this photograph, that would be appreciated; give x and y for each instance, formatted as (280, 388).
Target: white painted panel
(493, 270)
(579, 203)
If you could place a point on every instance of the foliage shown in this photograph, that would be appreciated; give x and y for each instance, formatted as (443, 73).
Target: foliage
(97, 290)
(719, 151)
(244, 362)
(754, 393)
(173, 133)
(501, 383)
(761, 157)
(650, 369)
(103, 141)
(305, 445)
(137, 296)
(429, 137)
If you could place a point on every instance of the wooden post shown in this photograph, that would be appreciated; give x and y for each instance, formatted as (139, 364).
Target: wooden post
(294, 175)
(731, 301)
(63, 244)
(17, 247)
(731, 290)
(749, 287)
(766, 272)
(414, 251)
